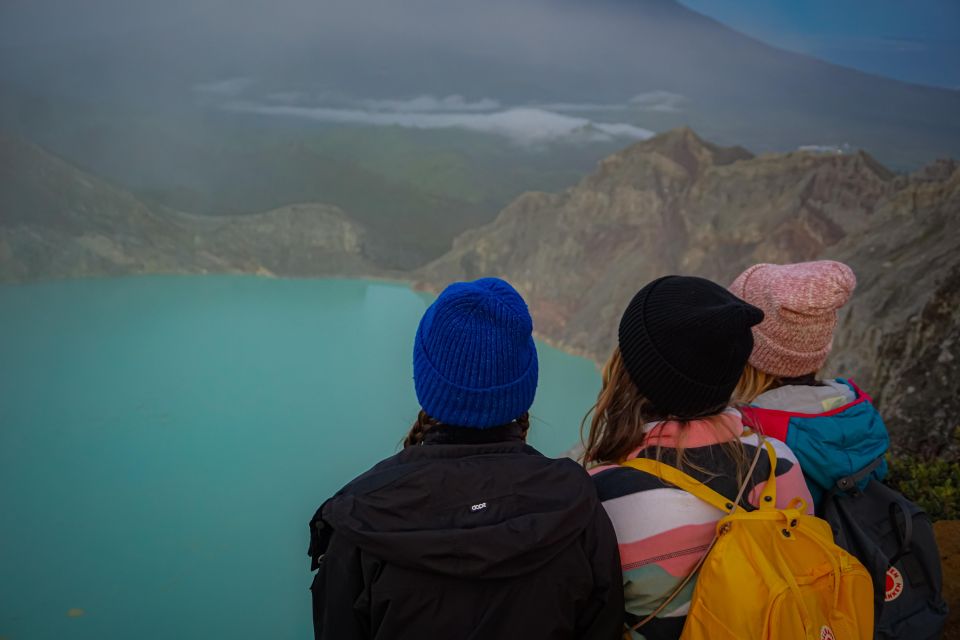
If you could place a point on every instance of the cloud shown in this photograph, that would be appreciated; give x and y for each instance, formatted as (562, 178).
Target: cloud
(286, 97)
(664, 101)
(524, 125)
(825, 148)
(427, 103)
(225, 88)
(582, 107)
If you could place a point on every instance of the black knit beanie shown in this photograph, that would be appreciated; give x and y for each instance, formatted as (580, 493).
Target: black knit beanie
(684, 342)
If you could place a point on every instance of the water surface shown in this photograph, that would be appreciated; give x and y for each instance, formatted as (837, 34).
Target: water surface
(164, 441)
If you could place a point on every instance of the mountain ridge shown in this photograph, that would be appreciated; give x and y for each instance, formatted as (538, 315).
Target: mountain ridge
(677, 204)
(56, 221)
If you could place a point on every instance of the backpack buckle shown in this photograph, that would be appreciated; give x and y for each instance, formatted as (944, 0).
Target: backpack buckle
(846, 484)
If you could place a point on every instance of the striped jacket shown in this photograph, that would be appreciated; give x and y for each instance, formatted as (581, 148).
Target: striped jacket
(663, 531)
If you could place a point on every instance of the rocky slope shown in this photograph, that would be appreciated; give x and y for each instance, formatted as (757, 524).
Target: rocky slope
(677, 204)
(57, 221)
(901, 331)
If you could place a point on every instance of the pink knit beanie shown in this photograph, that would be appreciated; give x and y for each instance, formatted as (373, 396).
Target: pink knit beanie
(800, 303)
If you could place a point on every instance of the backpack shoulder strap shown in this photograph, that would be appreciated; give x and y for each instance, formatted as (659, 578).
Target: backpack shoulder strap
(849, 483)
(679, 479)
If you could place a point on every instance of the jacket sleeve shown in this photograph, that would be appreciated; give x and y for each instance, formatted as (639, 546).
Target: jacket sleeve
(602, 617)
(339, 611)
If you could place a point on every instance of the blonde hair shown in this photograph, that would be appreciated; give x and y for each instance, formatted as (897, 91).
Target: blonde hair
(619, 415)
(752, 383)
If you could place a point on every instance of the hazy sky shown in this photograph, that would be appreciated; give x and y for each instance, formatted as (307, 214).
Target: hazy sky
(913, 40)
(529, 70)
(916, 40)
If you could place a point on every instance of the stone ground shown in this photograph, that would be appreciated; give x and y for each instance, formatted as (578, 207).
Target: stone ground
(948, 538)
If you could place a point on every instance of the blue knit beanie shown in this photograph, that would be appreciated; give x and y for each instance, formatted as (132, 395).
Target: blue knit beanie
(474, 360)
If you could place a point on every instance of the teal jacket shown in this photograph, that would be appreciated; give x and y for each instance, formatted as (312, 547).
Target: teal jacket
(829, 445)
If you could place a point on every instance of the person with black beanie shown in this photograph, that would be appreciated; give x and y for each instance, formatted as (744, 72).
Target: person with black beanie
(682, 346)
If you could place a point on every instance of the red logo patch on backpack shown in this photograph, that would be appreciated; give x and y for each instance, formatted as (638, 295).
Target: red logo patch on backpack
(826, 633)
(894, 584)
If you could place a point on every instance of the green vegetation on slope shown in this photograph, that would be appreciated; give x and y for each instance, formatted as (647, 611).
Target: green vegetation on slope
(933, 483)
(413, 190)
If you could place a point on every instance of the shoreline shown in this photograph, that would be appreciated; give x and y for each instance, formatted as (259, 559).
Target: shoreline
(391, 278)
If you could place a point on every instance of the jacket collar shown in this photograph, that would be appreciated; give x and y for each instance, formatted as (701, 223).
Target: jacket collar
(446, 434)
(775, 423)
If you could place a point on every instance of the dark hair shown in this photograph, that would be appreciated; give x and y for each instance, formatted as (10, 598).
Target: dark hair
(617, 424)
(425, 423)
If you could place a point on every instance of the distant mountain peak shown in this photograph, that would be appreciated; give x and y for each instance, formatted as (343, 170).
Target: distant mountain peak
(682, 143)
(874, 165)
(681, 136)
(679, 148)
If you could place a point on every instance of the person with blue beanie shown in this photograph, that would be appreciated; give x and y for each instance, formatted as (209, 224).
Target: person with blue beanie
(474, 359)
(468, 532)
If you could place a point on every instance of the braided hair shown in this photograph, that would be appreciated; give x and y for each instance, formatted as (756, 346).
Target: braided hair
(425, 423)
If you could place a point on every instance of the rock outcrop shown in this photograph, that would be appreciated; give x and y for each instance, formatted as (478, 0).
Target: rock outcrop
(901, 330)
(57, 221)
(677, 204)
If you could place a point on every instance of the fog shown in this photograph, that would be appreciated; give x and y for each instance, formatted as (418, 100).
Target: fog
(526, 70)
(529, 49)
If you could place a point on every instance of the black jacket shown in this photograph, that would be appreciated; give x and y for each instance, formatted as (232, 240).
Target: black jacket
(479, 540)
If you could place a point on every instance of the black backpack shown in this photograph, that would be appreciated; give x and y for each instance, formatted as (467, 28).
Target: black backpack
(894, 540)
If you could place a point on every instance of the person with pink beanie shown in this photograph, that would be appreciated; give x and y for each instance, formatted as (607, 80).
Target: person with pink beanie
(831, 425)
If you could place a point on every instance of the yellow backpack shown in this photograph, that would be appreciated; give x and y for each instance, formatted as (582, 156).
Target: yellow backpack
(770, 573)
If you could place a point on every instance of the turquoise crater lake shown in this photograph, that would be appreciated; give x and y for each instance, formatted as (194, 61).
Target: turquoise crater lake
(164, 440)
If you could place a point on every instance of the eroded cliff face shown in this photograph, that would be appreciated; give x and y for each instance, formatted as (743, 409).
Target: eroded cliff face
(57, 221)
(676, 204)
(901, 331)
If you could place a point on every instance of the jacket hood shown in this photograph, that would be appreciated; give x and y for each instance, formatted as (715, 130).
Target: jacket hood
(831, 444)
(482, 510)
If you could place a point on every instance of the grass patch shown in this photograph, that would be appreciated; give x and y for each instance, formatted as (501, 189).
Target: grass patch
(934, 484)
